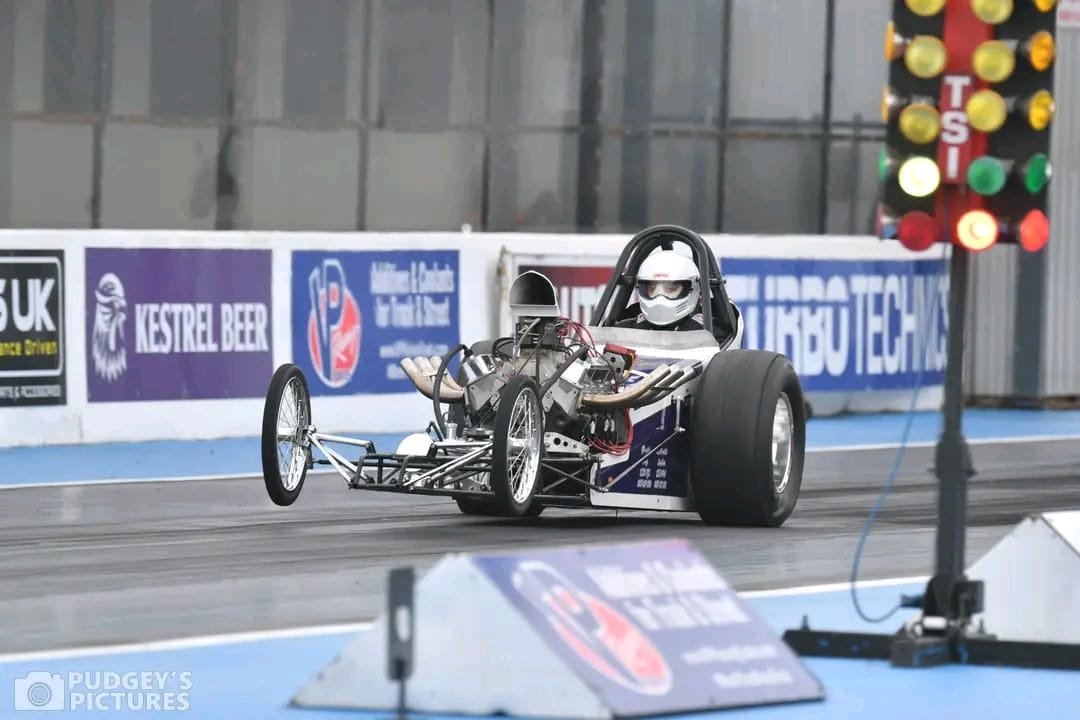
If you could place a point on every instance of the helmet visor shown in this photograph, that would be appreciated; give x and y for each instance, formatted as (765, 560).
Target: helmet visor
(671, 289)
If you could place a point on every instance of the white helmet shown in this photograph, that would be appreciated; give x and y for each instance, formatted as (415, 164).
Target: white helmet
(668, 286)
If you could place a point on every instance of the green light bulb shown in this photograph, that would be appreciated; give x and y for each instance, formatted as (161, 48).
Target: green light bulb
(1036, 173)
(986, 175)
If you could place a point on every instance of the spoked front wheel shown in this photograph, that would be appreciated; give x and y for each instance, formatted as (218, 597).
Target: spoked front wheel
(517, 447)
(286, 452)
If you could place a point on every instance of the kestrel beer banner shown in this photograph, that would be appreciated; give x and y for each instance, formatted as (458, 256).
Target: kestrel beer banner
(178, 324)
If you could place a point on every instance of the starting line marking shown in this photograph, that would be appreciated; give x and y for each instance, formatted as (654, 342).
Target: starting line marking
(203, 641)
(922, 444)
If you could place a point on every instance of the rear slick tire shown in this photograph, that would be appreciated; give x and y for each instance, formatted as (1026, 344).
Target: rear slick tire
(747, 439)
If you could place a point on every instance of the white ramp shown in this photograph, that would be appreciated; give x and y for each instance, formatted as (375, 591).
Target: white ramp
(472, 654)
(593, 633)
(1032, 580)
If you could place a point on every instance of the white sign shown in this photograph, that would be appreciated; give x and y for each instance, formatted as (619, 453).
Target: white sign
(955, 132)
(1068, 14)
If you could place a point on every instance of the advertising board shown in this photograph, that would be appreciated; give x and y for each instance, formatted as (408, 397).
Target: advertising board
(178, 324)
(650, 627)
(847, 325)
(32, 351)
(356, 314)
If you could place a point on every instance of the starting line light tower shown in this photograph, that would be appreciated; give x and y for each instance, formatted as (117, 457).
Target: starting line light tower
(967, 105)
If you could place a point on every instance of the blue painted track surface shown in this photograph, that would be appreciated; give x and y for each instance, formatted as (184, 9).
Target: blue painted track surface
(75, 463)
(256, 679)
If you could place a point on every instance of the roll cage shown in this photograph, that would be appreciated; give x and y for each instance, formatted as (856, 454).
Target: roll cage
(718, 312)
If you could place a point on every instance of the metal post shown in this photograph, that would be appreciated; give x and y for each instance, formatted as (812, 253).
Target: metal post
(636, 114)
(723, 113)
(592, 77)
(826, 118)
(363, 156)
(103, 53)
(953, 464)
(489, 86)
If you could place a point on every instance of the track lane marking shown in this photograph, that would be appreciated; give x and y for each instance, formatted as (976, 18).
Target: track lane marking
(203, 641)
(258, 476)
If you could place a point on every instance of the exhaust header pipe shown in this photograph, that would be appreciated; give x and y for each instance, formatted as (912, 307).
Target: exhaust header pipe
(421, 373)
(629, 398)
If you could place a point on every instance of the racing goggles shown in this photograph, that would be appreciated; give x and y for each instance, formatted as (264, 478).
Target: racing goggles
(670, 289)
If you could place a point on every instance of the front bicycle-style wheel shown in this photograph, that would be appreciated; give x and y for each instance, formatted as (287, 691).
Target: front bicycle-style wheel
(517, 447)
(286, 451)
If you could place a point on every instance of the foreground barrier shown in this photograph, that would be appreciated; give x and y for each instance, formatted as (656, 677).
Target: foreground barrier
(136, 335)
(1032, 580)
(599, 632)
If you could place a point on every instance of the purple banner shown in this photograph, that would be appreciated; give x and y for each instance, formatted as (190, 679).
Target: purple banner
(164, 324)
(652, 627)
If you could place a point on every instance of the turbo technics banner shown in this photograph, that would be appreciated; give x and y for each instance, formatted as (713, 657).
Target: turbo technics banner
(32, 368)
(356, 314)
(847, 325)
(178, 324)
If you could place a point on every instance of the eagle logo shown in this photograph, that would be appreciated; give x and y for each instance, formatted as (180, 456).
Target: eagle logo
(110, 357)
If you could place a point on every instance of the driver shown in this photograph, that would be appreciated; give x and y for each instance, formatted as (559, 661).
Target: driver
(669, 294)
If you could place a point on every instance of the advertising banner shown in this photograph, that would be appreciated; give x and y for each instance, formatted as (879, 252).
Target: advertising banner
(847, 325)
(356, 314)
(178, 324)
(651, 627)
(32, 369)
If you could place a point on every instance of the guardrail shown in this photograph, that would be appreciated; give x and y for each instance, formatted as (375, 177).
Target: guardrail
(140, 335)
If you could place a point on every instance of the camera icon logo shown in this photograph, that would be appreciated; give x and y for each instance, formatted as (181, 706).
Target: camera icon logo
(40, 691)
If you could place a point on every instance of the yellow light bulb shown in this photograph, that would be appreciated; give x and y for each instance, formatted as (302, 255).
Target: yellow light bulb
(994, 12)
(1040, 50)
(920, 123)
(993, 61)
(1040, 109)
(925, 57)
(926, 8)
(1045, 5)
(986, 111)
(892, 39)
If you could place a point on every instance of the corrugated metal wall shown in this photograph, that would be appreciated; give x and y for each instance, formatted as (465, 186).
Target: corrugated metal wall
(1024, 339)
(1060, 366)
(991, 326)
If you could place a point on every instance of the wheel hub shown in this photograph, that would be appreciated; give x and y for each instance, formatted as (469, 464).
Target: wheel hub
(781, 443)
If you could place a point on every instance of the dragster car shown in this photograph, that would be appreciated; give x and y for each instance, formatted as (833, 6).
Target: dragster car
(570, 415)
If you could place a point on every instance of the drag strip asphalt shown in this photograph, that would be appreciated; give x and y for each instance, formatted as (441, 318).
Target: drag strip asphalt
(85, 565)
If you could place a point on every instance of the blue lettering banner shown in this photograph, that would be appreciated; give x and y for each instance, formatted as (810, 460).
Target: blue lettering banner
(356, 314)
(847, 325)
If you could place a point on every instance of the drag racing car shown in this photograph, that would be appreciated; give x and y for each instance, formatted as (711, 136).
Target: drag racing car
(570, 415)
